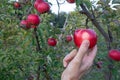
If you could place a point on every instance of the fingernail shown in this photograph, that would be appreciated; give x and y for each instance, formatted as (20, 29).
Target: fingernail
(65, 64)
(86, 42)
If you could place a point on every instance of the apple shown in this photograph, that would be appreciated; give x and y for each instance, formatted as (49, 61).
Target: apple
(99, 64)
(17, 5)
(85, 34)
(52, 42)
(43, 7)
(33, 19)
(71, 1)
(114, 54)
(37, 2)
(68, 38)
(24, 24)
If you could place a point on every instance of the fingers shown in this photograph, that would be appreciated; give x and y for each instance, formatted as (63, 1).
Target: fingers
(69, 57)
(82, 50)
(88, 59)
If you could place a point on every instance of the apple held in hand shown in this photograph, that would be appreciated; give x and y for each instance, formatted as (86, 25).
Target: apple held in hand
(33, 19)
(68, 38)
(71, 1)
(85, 34)
(52, 42)
(114, 54)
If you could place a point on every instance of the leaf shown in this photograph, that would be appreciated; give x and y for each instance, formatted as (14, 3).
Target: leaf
(87, 3)
(78, 2)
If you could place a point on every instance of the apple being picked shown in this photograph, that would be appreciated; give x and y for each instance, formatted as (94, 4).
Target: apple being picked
(71, 1)
(85, 34)
(114, 54)
(33, 19)
(52, 42)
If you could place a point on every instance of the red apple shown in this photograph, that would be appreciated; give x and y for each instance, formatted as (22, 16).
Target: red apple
(71, 1)
(85, 34)
(52, 42)
(17, 5)
(68, 38)
(33, 19)
(114, 54)
(43, 7)
(24, 24)
(37, 2)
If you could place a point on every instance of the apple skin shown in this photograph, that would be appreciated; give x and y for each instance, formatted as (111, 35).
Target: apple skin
(52, 42)
(37, 2)
(85, 34)
(68, 38)
(17, 5)
(33, 19)
(114, 54)
(24, 24)
(43, 7)
(71, 1)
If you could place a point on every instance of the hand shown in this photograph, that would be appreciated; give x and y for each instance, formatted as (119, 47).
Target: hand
(78, 62)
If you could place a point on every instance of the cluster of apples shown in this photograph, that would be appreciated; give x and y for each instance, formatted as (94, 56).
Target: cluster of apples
(53, 41)
(79, 35)
(33, 20)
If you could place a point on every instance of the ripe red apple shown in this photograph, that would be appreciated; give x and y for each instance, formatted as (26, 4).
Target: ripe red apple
(24, 24)
(52, 42)
(68, 38)
(85, 34)
(71, 1)
(114, 54)
(37, 2)
(43, 7)
(33, 19)
(17, 5)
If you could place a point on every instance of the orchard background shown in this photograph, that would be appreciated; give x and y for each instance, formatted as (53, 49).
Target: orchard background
(21, 58)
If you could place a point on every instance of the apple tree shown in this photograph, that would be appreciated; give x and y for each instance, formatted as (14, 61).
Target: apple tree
(33, 40)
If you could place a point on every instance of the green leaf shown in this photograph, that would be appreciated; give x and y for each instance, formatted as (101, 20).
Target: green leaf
(87, 3)
(78, 2)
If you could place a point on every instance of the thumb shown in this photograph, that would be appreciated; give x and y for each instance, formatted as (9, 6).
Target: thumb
(82, 50)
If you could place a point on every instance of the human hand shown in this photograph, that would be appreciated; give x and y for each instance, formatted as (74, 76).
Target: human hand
(78, 62)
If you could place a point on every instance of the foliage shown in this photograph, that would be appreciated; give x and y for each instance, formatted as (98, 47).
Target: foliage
(19, 59)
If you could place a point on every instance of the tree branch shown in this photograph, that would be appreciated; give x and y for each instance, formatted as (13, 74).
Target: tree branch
(94, 21)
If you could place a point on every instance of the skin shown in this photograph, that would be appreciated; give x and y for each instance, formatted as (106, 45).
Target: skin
(76, 63)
